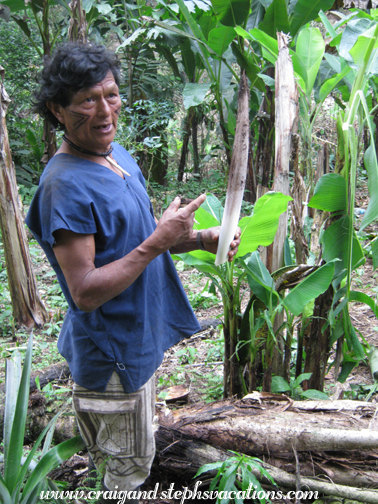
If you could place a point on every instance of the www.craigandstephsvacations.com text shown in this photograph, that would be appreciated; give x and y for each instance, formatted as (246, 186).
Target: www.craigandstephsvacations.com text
(182, 495)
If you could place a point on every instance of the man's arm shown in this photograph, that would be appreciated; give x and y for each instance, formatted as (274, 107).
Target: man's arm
(209, 239)
(90, 287)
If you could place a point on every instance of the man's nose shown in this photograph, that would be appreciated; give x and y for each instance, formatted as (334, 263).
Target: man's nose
(103, 107)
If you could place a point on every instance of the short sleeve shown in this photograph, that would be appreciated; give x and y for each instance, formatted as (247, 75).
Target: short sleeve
(61, 202)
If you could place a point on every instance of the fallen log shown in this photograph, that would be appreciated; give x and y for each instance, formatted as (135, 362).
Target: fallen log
(336, 440)
(183, 456)
(273, 428)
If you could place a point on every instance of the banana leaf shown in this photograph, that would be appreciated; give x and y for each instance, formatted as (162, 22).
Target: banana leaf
(329, 194)
(260, 280)
(310, 288)
(335, 241)
(261, 227)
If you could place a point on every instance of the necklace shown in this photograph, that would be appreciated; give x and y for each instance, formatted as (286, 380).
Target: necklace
(99, 154)
(84, 151)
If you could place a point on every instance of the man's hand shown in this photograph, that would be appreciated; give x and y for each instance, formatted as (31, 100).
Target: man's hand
(176, 224)
(210, 238)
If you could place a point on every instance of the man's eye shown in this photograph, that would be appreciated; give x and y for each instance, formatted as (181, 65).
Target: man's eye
(89, 99)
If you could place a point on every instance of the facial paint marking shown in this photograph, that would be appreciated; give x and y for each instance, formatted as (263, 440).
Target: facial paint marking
(82, 118)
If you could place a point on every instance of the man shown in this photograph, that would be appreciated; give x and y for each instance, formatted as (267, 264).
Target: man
(93, 218)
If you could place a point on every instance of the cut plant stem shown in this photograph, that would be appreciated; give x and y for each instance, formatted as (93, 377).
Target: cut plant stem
(237, 175)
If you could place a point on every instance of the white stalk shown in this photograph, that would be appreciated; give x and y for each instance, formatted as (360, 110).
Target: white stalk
(237, 175)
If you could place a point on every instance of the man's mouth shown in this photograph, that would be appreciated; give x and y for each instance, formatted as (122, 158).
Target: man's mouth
(104, 127)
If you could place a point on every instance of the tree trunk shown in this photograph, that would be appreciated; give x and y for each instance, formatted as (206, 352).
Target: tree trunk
(298, 193)
(196, 166)
(27, 307)
(265, 143)
(235, 189)
(322, 164)
(185, 143)
(49, 136)
(250, 193)
(226, 139)
(286, 126)
(77, 30)
(317, 345)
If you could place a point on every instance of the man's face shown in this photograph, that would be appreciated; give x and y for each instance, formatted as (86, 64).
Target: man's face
(91, 118)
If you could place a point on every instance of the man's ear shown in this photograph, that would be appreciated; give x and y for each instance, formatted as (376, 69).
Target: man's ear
(56, 109)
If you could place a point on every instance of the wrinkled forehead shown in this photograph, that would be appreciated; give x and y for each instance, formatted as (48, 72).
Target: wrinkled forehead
(106, 83)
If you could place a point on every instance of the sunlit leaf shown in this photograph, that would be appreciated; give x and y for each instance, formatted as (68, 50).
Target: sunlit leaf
(329, 194)
(261, 227)
(310, 48)
(204, 219)
(361, 46)
(214, 207)
(261, 37)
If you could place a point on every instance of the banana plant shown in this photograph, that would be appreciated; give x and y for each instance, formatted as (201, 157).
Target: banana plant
(244, 332)
(23, 478)
(307, 58)
(336, 193)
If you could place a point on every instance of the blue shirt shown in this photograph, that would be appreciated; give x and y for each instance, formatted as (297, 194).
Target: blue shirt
(129, 333)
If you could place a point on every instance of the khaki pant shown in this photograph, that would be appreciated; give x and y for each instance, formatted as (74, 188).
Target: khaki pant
(118, 430)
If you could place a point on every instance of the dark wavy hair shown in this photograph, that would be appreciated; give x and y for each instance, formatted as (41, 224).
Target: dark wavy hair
(73, 67)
